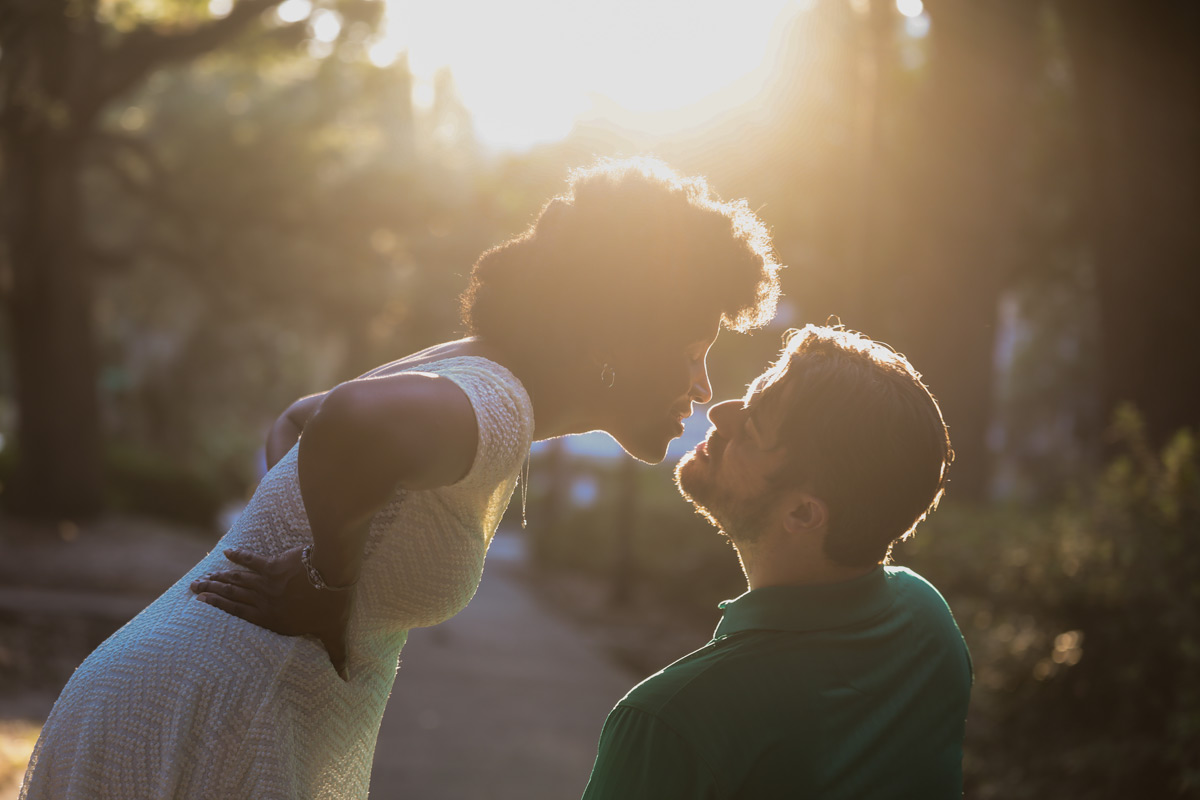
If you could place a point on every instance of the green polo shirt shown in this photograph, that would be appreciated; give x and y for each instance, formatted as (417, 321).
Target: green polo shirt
(850, 690)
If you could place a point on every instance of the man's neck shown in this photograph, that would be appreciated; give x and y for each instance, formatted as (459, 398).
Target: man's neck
(776, 566)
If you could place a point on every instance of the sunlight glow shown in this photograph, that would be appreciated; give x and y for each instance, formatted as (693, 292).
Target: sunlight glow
(910, 8)
(528, 69)
(219, 8)
(423, 95)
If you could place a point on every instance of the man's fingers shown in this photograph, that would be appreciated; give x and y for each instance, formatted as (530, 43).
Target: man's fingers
(248, 613)
(245, 559)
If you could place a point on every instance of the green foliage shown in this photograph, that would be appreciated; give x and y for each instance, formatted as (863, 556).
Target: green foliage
(1084, 624)
(274, 232)
(144, 483)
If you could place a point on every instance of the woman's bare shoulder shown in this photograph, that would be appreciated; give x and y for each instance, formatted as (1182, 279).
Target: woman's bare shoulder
(417, 426)
(455, 349)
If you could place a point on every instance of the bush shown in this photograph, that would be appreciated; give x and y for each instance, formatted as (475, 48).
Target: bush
(1084, 625)
(142, 482)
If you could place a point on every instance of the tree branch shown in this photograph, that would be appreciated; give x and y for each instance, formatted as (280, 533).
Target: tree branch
(146, 49)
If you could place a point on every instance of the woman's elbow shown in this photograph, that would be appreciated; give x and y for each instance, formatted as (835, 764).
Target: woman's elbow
(340, 419)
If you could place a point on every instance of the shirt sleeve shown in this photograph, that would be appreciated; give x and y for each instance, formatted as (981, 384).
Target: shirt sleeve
(640, 757)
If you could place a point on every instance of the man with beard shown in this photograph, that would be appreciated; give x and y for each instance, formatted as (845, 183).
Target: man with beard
(834, 676)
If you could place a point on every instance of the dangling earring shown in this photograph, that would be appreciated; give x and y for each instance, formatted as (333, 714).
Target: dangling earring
(608, 376)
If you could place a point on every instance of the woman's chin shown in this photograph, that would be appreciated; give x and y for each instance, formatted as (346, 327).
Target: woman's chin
(647, 452)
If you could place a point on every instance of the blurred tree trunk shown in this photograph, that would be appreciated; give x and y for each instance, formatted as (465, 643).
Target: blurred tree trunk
(965, 219)
(60, 69)
(41, 132)
(1137, 73)
(54, 354)
(873, 84)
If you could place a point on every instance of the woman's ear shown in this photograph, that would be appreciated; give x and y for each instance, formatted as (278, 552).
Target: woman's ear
(808, 514)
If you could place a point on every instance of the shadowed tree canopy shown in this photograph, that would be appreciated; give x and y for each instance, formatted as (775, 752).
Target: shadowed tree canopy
(906, 177)
(62, 64)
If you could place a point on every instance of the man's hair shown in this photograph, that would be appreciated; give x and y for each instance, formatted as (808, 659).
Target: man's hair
(863, 433)
(630, 249)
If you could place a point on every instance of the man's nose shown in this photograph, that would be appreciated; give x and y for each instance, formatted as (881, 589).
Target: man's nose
(701, 386)
(723, 415)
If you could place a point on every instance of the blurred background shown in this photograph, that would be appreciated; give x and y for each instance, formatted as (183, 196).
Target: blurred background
(213, 207)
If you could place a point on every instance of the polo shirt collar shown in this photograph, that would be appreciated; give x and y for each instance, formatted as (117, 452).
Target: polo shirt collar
(807, 608)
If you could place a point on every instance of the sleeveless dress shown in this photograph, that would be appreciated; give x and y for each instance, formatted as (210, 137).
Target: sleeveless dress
(186, 701)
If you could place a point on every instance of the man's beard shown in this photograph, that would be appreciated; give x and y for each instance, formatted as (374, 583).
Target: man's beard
(742, 519)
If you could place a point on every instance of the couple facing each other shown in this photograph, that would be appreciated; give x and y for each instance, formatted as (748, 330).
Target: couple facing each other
(263, 672)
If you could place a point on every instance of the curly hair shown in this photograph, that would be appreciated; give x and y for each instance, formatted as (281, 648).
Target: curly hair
(630, 249)
(862, 432)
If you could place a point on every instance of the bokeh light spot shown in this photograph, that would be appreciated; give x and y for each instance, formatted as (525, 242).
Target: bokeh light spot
(294, 10)
(917, 27)
(326, 25)
(133, 119)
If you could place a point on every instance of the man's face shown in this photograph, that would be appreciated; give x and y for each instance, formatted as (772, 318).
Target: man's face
(727, 477)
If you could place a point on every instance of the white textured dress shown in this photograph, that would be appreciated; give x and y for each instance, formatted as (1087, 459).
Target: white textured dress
(187, 701)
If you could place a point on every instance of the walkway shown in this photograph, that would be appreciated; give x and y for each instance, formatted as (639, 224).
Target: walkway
(503, 701)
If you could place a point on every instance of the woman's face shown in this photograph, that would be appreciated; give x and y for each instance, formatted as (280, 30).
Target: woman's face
(655, 384)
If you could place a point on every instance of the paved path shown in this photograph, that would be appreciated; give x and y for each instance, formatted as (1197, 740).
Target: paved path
(505, 700)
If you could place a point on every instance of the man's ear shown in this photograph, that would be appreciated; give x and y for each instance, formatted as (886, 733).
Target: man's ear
(808, 514)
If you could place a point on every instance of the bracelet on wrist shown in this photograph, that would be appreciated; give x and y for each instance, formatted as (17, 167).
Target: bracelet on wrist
(314, 575)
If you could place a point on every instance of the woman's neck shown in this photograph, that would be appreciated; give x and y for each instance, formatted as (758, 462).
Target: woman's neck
(560, 405)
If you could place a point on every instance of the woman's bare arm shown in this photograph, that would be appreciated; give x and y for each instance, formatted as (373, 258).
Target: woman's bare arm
(368, 438)
(361, 442)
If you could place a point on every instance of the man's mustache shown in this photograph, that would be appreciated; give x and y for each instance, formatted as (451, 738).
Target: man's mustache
(714, 444)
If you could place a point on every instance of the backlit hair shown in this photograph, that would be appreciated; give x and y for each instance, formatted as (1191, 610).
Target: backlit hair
(863, 433)
(631, 248)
